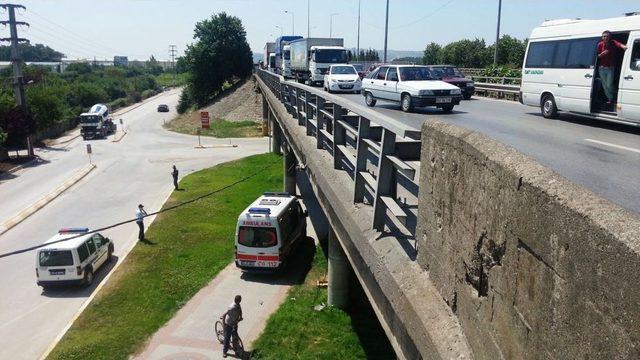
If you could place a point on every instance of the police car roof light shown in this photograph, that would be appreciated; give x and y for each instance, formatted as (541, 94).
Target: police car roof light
(257, 210)
(273, 193)
(76, 230)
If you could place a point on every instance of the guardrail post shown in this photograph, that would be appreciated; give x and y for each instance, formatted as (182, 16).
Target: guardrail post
(384, 180)
(301, 105)
(308, 109)
(338, 134)
(361, 159)
(319, 107)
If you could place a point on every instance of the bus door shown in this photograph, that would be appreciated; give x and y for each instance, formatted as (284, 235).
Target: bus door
(629, 93)
(577, 58)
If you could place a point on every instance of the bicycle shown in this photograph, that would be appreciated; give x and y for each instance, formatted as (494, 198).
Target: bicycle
(236, 342)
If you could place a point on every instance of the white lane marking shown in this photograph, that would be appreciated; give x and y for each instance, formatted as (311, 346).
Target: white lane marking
(613, 145)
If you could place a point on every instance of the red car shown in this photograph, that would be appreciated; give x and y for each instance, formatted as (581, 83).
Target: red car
(453, 76)
(359, 69)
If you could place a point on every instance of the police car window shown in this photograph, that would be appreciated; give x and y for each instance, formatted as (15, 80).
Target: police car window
(97, 239)
(56, 258)
(92, 247)
(258, 237)
(83, 252)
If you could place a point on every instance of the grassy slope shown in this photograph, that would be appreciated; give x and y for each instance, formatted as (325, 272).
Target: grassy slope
(191, 245)
(297, 331)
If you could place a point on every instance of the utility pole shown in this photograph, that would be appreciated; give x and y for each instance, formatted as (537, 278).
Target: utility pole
(386, 33)
(18, 86)
(308, 17)
(331, 24)
(495, 51)
(172, 53)
(358, 42)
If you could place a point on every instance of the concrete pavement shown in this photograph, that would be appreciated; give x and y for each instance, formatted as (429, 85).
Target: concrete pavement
(135, 170)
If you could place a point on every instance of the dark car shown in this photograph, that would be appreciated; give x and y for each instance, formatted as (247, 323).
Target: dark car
(163, 108)
(453, 76)
(360, 69)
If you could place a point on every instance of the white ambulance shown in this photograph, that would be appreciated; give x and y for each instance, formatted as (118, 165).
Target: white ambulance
(267, 231)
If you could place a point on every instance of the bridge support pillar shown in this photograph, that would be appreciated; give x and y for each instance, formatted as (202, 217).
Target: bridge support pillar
(276, 134)
(289, 161)
(339, 273)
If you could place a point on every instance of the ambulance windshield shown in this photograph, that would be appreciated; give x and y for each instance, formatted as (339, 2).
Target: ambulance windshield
(259, 237)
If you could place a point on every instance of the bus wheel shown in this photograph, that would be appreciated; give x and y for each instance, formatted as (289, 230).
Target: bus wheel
(548, 107)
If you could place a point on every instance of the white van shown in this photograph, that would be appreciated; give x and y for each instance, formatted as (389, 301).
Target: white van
(73, 261)
(560, 70)
(267, 231)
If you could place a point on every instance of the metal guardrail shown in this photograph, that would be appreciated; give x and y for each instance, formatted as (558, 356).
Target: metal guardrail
(380, 154)
(499, 85)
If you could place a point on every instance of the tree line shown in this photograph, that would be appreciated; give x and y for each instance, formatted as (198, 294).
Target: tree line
(475, 53)
(54, 98)
(30, 52)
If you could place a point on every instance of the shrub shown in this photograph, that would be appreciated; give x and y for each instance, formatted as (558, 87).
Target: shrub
(186, 101)
(148, 93)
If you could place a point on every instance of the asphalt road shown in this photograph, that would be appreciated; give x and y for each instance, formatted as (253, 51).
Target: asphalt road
(600, 156)
(135, 170)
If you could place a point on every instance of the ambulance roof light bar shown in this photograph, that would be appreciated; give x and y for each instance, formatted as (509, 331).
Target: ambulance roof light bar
(276, 194)
(257, 210)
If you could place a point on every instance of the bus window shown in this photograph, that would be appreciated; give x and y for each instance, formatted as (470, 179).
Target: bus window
(582, 53)
(635, 56)
(257, 237)
(540, 54)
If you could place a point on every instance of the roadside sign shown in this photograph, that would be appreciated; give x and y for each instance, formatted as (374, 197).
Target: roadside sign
(88, 148)
(204, 119)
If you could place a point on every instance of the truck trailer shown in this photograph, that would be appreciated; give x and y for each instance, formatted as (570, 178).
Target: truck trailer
(269, 48)
(312, 57)
(280, 52)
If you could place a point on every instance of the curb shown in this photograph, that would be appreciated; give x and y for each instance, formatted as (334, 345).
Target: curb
(215, 146)
(124, 133)
(25, 213)
(104, 281)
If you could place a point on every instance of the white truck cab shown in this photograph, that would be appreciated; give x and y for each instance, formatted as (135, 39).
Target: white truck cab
(267, 231)
(321, 59)
(73, 261)
(286, 61)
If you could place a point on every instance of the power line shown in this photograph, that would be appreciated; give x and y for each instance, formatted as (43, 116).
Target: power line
(228, 186)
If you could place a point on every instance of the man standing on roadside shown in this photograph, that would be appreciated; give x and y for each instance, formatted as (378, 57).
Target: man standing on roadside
(230, 319)
(140, 214)
(607, 57)
(174, 173)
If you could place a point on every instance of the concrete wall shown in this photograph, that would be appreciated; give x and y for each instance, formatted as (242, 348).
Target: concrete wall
(533, 266)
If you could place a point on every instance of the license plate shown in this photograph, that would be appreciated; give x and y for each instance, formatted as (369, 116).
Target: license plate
(262, 263)
(441, 100)
(346, 86)
(56, 272)
(247, 263)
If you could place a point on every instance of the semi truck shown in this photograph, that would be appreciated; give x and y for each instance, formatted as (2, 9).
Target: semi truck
(280, 52)
(286, 61)
(312, 57)
(269, 48)
(96, 123)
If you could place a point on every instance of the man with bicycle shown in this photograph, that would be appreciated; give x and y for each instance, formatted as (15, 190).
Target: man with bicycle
(230, 319)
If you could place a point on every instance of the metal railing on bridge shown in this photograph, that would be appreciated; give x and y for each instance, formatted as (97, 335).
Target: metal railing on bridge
(380, 154)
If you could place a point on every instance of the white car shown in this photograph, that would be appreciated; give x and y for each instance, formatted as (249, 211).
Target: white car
(411, 86)
(72, 261)
(343, 78)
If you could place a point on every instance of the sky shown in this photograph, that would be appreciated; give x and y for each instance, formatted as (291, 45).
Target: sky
(140, 28)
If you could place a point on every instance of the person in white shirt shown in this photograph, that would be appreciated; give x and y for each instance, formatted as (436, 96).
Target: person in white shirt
(230, 319)
(140, 214)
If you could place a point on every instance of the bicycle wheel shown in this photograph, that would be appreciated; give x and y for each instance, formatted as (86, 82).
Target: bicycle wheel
(219, 330)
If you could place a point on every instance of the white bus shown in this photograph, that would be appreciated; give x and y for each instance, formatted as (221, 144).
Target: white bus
(267, 231)
(560, 70)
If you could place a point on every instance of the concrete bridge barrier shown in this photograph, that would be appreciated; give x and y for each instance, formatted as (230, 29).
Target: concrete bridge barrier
(532, 265)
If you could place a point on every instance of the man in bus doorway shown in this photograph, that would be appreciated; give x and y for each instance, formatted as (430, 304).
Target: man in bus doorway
(607, 57)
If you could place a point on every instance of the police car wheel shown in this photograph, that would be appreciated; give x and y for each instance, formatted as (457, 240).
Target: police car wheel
(110, 255)
(88, 277)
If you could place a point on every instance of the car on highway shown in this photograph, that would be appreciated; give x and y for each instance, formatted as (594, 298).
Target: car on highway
(360, 69)
(163, 108)
(72, 261)
(453, 76)
(267, 231)
(342, 78)
(411, 86)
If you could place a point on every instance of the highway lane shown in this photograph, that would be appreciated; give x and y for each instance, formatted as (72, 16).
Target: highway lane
(600, 156)
(135, 170)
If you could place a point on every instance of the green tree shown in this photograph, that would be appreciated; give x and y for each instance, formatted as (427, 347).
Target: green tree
(432, 54)
(3, 137)
(45, 106)
(220, 54)
(79, 68)
(153, 66)
(30, 52)
(466, 53)
(510, 51)
(85, 95)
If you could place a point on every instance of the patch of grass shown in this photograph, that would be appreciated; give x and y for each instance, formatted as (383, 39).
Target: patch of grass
(220, 128)
(191, 244)
(297, 331)
(167, 79)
